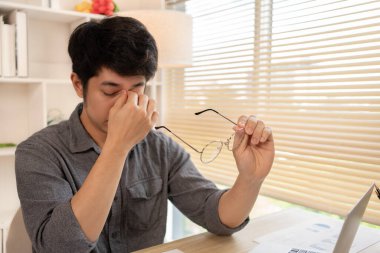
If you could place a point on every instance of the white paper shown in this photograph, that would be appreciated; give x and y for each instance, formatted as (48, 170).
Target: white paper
(320, 235)
(173, 251)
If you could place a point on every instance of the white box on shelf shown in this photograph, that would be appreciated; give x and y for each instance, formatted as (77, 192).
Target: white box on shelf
(8, 50)
(65, 4)
(55, 4)
(19, 19)
(42, 3)
(1, 44)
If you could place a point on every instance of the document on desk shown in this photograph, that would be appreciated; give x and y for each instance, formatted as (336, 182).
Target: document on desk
(173, 251)
(320, 235)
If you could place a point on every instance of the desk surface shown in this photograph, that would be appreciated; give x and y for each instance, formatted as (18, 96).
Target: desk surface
(241, 241)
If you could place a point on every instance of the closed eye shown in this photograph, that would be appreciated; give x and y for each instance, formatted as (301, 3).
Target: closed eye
(110, 94)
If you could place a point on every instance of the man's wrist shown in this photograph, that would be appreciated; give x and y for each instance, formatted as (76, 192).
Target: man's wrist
(249, 181)
(116, 149)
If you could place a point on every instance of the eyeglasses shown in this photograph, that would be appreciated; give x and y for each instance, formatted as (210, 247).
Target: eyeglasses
(212, 149)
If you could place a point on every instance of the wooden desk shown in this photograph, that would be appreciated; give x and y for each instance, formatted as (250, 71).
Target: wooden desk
(241, 241)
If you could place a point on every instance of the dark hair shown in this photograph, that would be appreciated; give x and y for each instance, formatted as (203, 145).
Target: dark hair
(121, 44)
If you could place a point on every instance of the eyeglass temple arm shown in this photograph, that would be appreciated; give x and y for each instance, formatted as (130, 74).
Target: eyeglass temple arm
(377, 191)
(197, 113)
(167, 129)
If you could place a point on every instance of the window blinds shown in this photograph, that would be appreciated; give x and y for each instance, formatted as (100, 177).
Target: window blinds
(311, 71)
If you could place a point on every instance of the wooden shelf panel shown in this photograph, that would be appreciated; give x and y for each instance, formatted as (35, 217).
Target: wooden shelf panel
(44, 13)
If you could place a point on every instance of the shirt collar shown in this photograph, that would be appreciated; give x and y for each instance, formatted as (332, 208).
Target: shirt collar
(80, 140)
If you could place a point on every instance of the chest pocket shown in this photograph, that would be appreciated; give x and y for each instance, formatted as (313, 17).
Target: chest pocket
(144, 203)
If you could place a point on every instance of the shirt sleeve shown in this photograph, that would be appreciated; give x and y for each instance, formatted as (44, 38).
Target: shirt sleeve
(45, 198)
(194, 195)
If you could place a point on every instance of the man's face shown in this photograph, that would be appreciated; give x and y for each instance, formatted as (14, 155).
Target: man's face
(102, 91)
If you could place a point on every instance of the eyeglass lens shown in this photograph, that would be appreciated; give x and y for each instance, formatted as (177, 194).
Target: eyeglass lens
(211, 151)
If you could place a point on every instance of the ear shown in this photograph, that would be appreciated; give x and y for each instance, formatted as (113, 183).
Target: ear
(77, 84)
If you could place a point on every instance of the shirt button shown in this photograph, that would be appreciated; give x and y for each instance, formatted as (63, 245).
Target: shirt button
(114, 235)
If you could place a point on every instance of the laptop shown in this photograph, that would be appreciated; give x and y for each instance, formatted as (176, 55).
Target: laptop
(345, 238)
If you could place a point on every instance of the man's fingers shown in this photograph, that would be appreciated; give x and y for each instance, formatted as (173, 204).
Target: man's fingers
(143, 101)
(240, 136)
(251, 125)
(266, 135)
(241, 122)
(250, 130)
(132, 98)
(151, 107)
(121, 99)
(257, 134)
(240, 139)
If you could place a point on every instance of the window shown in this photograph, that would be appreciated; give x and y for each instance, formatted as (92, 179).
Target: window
(311, 71)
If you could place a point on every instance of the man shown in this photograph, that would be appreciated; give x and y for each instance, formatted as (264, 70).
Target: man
(100, 181)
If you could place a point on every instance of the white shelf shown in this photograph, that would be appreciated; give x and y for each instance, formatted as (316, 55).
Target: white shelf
(27, 80)
(7, 151)
(20, 80)
(48, 14)
(49, 81)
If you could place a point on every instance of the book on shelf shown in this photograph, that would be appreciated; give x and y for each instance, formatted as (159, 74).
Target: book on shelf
(8, 49)
(1, 47)
(19, 20)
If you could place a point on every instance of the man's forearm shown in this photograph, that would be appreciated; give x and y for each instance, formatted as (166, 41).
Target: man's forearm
(236, 204)
(92, 203)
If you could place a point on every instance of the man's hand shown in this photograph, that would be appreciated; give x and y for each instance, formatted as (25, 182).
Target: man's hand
(130, 120)
(253, 148)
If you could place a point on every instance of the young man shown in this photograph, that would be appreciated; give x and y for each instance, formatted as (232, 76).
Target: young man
(100, 181)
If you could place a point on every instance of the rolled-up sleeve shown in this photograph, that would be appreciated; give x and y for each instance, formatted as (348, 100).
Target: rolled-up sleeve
(45, 197)
(212, 216)
(194, 195)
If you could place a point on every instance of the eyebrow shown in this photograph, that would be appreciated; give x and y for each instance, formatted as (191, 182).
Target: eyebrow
(116, 85)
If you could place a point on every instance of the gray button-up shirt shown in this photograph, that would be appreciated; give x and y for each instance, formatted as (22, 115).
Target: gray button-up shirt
(52, 165)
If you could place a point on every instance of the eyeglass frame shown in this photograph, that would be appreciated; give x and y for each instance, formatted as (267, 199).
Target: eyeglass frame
(377, 190)
(226, 143)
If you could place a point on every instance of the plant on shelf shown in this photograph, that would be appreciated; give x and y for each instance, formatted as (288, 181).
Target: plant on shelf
(7, 145)
(105, 7)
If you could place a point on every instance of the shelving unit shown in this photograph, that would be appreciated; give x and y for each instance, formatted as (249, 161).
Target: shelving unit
(47, 14)
(25, 102)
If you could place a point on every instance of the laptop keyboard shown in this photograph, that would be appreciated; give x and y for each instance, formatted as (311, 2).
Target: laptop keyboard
(294, 250)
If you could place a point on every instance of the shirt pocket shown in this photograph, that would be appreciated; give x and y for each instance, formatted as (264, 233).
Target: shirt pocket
(144, 203)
